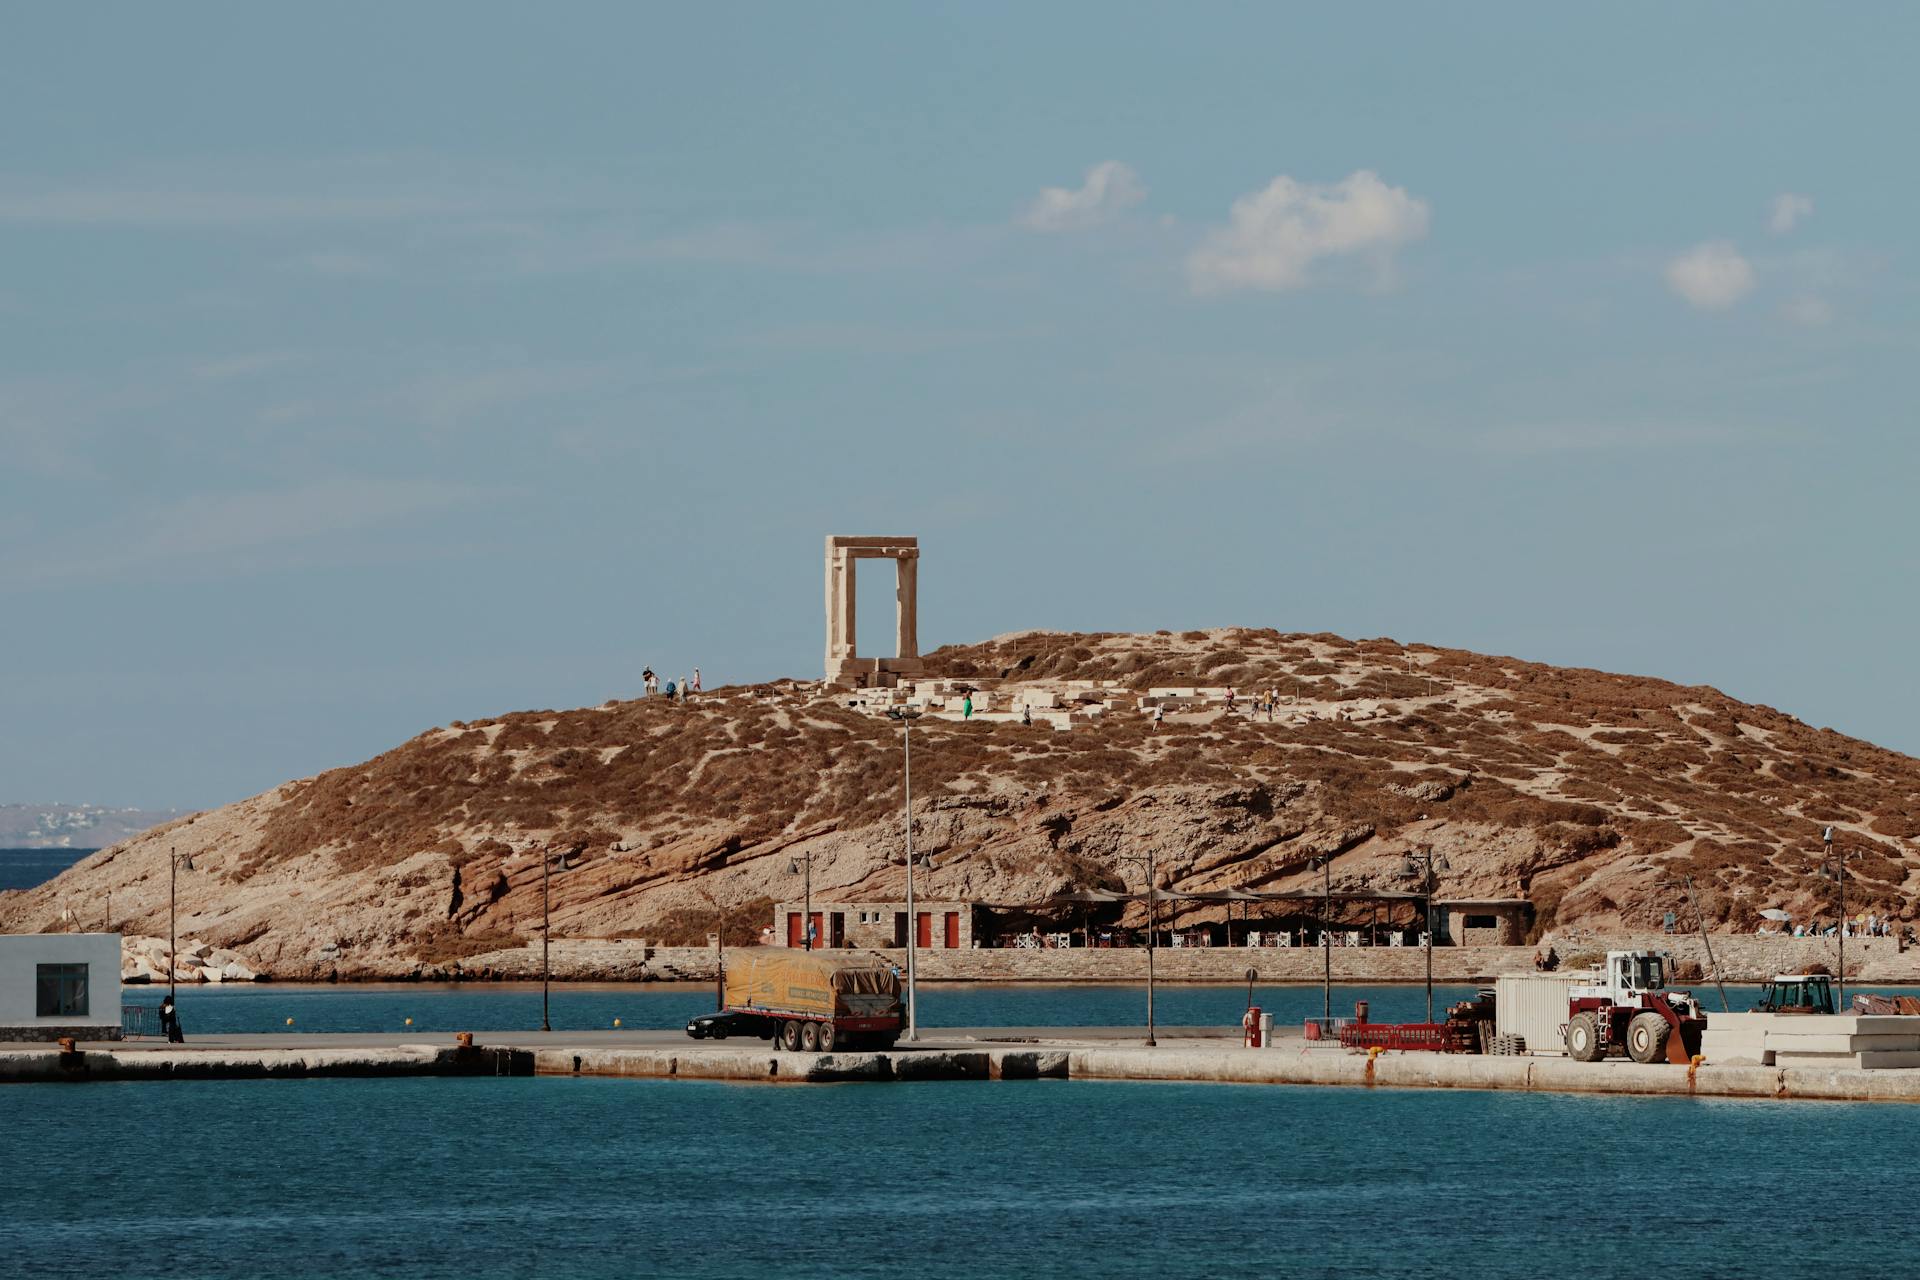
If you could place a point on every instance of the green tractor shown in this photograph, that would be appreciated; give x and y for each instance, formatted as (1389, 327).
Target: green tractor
(1797, 993)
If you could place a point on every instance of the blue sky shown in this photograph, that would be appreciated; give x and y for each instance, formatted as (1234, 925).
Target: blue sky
(368, 367)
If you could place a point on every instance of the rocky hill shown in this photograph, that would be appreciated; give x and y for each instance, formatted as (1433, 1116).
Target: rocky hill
(1580, 790)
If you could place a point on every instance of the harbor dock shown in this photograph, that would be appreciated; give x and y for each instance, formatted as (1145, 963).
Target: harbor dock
(1183, 1055)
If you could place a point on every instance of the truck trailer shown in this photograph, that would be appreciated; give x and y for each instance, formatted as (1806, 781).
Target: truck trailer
(809, 1001)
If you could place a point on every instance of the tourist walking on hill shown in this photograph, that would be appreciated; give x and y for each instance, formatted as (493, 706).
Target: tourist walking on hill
(685, 688)
(649, 682)
(1159, 714)
(670, 691)
(966, 706)
(696, 679)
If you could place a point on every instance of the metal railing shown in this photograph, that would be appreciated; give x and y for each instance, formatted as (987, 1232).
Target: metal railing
(138, 1021)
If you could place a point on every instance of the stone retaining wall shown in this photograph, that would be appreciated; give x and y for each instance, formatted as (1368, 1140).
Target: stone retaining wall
(1741, 958)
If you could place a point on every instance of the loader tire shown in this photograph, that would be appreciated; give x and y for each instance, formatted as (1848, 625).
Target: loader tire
(1583, 1038)
(1647, 1037)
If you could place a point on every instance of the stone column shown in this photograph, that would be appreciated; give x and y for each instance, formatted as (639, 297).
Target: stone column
(906, 632)
(849, 595)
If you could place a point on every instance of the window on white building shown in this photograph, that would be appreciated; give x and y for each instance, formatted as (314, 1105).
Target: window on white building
(60, 991)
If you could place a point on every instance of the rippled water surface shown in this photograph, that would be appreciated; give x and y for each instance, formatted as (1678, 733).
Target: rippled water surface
(618, 1178)
(575, 1007)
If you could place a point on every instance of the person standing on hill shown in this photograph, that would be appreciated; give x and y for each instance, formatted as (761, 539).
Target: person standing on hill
(670, 691)
(649, 682)
(696, 679)
(1159, 714)
(685, 688)
(966, 706)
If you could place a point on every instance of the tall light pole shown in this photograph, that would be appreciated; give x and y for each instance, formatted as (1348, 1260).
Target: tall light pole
(1147, 861)
(174, 862)
(1326, 931)
(546, 932)
(1834, 867)
(720, 961)
(906, 719)
(1418, 861)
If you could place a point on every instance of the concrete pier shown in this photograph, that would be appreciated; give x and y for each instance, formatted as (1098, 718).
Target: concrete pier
(662, 1055)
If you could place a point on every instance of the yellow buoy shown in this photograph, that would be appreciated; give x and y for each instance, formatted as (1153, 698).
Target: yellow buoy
(616, 1022)
(289, 1021)
(409, 1021)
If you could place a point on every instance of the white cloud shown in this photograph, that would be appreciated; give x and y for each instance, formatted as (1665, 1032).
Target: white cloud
(1109, 188)
(1274, 236)
(1787, 210)
(1711, 275)
(1809, 311)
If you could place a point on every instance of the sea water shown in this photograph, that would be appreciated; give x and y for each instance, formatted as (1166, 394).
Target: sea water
(621, 1178)
(436, 1007)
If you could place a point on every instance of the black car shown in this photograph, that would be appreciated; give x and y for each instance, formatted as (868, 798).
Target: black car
(718, 1026)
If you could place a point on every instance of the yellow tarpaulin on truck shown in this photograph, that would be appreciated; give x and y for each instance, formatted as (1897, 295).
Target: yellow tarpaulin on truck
(806, 982)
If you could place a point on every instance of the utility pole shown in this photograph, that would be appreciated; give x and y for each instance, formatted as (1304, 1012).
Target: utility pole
(1326, 932)
(1418, 860)
(906, 719)
(1151, 1042)
(1836, 867)
(546, 936)
(1700, 922)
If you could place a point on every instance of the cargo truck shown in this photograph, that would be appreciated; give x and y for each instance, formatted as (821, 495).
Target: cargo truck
(807, 1001)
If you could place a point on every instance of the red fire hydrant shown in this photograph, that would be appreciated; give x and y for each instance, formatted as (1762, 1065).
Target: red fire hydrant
(1250, 1026)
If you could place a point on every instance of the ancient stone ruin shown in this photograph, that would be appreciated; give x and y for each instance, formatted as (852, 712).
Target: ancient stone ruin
(845, 666)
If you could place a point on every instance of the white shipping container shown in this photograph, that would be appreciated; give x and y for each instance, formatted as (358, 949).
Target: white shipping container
(1534, 1005)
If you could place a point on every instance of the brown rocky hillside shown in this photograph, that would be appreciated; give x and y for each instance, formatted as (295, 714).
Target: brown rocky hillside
(1581, 790)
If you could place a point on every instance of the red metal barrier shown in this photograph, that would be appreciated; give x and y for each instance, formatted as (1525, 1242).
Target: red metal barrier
(1434, 1037)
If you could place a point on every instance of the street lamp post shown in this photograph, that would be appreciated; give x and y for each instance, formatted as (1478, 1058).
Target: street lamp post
(546, 932)
(174, 863)
(1700, 923)
(1834, 867)
(720, 960)
(906, 719)
(1326, 932)
(1418, 861)
(1152, 921)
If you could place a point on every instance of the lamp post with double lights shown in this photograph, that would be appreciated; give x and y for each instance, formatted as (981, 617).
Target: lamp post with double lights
(547, 861)
(803, 865)
(721, 911)
(1146, 861)
(906, 719)
(1324, 864)
(174, 863)
(1833, 865)
(1422, 863)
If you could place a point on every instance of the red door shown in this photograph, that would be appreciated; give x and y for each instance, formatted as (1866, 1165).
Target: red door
(923, 929)
(953, 929)
(794, 938)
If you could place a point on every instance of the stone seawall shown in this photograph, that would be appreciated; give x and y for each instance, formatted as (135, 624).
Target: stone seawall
(1741, 958)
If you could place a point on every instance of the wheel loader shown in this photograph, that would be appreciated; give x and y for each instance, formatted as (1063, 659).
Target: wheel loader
(1632, 1010)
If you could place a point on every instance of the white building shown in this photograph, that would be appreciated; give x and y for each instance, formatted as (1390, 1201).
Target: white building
(59, 984)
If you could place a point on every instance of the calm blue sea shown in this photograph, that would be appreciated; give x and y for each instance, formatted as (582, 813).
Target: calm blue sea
(624, 1178)
(450, 1007)
(25, 868)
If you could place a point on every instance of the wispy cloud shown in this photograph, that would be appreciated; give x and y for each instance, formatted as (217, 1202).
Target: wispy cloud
(1711, 276)
(1275, 236)
(373, 189)
(226, 533)
(1109, 189)
(1522, 439)
(1787, 210)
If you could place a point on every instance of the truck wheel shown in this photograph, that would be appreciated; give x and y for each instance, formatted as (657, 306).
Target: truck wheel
(827, 1037)
(790, 1036)
(1647, 1037)
(810, 1036)
(1583, 1038)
